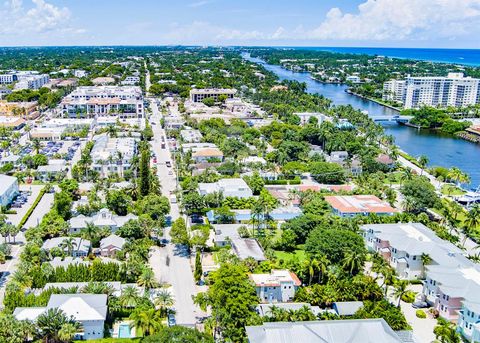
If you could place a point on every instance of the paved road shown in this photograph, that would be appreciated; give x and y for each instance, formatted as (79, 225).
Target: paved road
(171, 264)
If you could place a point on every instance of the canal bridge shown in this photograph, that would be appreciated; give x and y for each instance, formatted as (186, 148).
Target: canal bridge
(396, 118)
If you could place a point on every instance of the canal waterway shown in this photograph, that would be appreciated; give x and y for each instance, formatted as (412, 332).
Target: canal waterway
(441, 150)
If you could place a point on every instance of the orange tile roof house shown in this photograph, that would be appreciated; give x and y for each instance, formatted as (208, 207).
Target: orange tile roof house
(278, 286)
(349, 206)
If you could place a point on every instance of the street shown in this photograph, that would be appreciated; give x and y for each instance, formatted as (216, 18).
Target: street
(171, 264)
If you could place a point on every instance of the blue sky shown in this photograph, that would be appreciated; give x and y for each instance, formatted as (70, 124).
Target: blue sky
(392, 23)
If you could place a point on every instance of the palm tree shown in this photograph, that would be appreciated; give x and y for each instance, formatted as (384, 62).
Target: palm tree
(129, 297)
(147, 321)
(310, 266)
(406, 175)
(36, 145)
(97, 288)
(353, 262)
(400, 289)
(323, 264)
(426, 260)
(164, 300)
(68, 244)
(147, 279)
(446, 331)
(422, 161)
(51, 322)
(67, 331)
(473, 217)
(455, 174)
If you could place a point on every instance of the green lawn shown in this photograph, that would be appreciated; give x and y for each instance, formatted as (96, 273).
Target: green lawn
(451, 190)
(300, 255)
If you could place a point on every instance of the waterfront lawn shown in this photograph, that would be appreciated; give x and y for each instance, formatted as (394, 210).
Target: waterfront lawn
(298, 255)
(452, 190)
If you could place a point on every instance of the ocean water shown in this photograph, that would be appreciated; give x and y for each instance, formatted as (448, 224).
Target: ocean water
(469, 57)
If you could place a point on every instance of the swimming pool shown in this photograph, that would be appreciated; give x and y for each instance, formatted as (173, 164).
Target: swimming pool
(124, 331)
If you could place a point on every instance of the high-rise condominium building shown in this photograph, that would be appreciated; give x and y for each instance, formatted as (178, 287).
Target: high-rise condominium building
(414, 92)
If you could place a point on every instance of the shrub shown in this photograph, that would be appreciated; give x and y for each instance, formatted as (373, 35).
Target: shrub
(408, 297)
(421, 314)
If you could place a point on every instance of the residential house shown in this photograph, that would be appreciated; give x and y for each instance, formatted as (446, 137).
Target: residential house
(347, 308)
(279, 214)
(278, 286)
(55, 169)
(90, 310)
(403, 244)
(191, 136)
(109, 246)
(385, 160)
(80, 247)
(228, 187)
(352, 205)
(331, 331)
(8, 189)
(247, 247)
(353, 165)
(469, 321)
(266, 309)
(103, 219)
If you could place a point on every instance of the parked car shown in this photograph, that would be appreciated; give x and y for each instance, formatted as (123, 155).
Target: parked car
(419, 304)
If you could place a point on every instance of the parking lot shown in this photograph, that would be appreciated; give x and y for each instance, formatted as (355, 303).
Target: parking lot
(67, 148)
(30, 193)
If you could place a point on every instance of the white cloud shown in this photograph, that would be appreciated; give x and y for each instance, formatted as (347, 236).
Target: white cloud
(200, 3)
(401, 20)
(200, 32)
(35, 17)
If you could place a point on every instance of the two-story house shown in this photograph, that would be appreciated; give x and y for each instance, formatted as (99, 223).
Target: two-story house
(278, 286)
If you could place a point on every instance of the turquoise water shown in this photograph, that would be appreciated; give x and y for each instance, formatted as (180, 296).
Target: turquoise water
(441, 150)
(457, 56)
(124, 331)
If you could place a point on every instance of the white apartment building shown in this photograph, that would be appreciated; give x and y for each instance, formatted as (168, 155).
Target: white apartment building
(278, 286)
(6, 79)
(454, 90)
(394, 90)
(97, 101)
(112, 155)
(31, 81)
(197, 95)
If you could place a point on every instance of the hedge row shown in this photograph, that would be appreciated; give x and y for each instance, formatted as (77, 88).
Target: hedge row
(32, 208)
